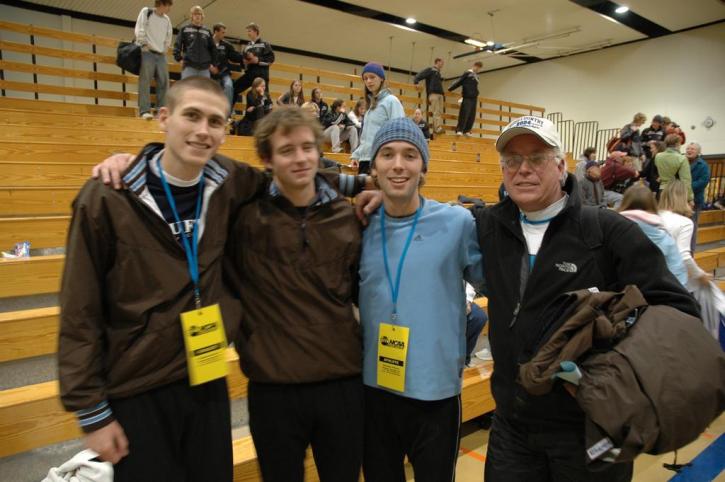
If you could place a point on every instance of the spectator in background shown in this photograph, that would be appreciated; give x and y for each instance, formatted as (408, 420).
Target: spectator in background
(671, 127)
(639, 205)
(312, 109)
(258, 105)
(338, 127)
(649, 171)
(589, 154)
(420, 122)
(380, 106)
(592, 189)
(700, 173)
(316, 97)
(153, 33)
(630, 139)
(655, 132)
(617, 175)
(194, 48)
(258, 56)
(357, 114)
(225, 52)
(675, 213)
(434, 90)
(467, 112)
(476, 319)
(672, 165)
(295, 95)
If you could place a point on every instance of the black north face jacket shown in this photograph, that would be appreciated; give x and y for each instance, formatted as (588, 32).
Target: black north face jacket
(601, 249)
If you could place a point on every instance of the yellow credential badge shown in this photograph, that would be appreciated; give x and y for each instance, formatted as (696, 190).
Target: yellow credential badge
(392, 356)
(206, 343)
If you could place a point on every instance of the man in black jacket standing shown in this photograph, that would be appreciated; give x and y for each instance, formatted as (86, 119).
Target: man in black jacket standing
(467, 112)
(194, 48)
(258, 56)
(538, 243)
(434, 89)
(225, 52)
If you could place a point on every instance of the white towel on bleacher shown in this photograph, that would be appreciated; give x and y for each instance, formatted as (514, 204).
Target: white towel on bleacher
(82, 468)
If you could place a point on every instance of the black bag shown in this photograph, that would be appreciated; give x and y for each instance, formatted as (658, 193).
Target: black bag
(128, 54)
(128, 57)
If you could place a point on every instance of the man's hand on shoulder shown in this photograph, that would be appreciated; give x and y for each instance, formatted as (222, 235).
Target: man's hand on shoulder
(366, 203)
(111, 168)
(109, 442)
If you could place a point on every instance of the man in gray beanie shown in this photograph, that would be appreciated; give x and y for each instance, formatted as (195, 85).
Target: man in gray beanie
(416, 254)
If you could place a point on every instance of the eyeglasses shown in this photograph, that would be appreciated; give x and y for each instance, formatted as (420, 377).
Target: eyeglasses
(513, 162)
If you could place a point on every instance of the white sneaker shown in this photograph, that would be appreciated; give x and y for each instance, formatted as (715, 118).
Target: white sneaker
(459, 133)
(147, 116)
(468, 134)
(484, 355)
(440, 130)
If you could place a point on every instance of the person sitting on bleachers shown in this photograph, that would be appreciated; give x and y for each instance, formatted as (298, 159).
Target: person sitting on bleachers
(589, 154)
(258, 105)
(357, 114)
(194, 48)
(295, 96)
(338, 127)
(316, 97)
(312, 109)
(592, 189)
(617, 173)
(421, 123)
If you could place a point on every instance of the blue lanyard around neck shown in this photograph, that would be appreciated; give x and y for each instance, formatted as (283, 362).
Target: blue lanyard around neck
(395, 290)
(191, 251)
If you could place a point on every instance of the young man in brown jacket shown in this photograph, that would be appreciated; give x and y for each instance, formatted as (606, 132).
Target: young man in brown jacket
(295, 252)
(137, 261)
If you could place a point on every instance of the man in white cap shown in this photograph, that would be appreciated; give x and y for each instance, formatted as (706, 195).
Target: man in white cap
(537, 244)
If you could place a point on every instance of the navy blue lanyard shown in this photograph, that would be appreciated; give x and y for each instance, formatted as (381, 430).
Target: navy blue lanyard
(395, 290)
(191, 251)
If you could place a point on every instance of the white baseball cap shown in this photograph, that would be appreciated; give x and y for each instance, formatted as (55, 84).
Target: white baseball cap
(542, 128)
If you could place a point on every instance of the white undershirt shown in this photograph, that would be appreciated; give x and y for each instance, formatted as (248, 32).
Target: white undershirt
(534, 233)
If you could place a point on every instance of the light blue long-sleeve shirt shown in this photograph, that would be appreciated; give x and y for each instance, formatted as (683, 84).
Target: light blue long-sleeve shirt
(388, 107)
(432, 301)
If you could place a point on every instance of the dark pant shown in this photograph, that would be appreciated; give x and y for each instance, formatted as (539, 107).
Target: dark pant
(466, 115)
(176, 433)
(364, 167)
(426, 431)
(475, 321)
(285, 418)
(533, 453)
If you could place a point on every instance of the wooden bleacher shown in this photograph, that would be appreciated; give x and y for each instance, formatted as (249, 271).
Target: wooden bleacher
(47, 149)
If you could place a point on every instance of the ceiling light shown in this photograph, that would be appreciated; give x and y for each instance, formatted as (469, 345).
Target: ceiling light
(490, 43)
(474, 42)
(622, 9)
(410, 20)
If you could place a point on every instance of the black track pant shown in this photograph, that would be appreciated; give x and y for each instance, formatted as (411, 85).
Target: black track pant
(426, 431)
(466, 115)
(287, 418)
(176, 433)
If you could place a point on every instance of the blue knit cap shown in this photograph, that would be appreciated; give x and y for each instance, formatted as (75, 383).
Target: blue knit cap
(374, 68)
(401, 129)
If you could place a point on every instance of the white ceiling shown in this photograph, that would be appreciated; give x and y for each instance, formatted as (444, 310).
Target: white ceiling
(519, 24)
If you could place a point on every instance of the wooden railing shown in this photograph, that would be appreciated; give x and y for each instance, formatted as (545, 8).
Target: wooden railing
(491, 115)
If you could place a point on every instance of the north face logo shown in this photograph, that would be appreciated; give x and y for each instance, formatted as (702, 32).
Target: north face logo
(566, 267)
(418, 237)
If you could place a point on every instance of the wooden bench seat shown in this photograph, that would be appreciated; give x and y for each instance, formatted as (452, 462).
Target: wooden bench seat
(67, 107)
(710, 234)
(30, 276)
(40, 231)
(715, 216)
(707, 260)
